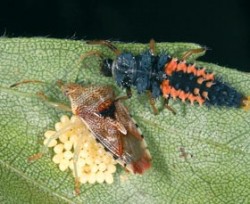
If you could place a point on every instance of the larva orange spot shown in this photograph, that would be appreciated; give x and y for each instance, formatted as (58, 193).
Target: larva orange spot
(196, 91)
(191, 98)
(166, 88)
(183, 96)
(201, 72)
(209, 77)
(171, 67)
(174, 93)
(200, 80)
(205, 94)
(200, 100)
(209, 84)
(191, 69)
(182, 66)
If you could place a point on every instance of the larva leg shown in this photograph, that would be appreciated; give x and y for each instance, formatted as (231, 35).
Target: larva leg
(152, 102)
(188, 53)
(168, 106)
(75, 160)
(152, 46)
(105, 43)
(90, 54)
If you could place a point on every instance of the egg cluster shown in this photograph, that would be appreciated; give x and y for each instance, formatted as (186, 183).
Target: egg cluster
(76, 149)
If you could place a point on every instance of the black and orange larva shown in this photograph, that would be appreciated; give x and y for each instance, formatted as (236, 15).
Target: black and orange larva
(162, 75)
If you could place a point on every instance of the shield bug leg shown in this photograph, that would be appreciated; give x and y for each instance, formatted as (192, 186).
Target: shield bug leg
(188, 53)
(45, 98)
(75, 160)
(57, 105)
(52, 139)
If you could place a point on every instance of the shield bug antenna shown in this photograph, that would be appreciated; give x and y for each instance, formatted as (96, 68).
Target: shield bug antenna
(25, 82)
(163, 75)
(42, 96)
(109, 122)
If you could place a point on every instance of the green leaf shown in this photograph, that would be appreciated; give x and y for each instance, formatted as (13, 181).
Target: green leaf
(216, 140)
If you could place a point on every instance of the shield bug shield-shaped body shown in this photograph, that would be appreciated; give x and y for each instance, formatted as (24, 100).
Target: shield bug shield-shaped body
(111, 124)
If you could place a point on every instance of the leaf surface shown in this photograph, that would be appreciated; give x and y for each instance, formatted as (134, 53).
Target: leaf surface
(200, 155)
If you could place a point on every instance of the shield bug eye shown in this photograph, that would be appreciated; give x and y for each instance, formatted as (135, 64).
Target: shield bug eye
(66, 92)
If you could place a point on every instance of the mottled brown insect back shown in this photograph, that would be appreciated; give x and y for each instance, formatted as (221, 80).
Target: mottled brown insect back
(111, 124)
